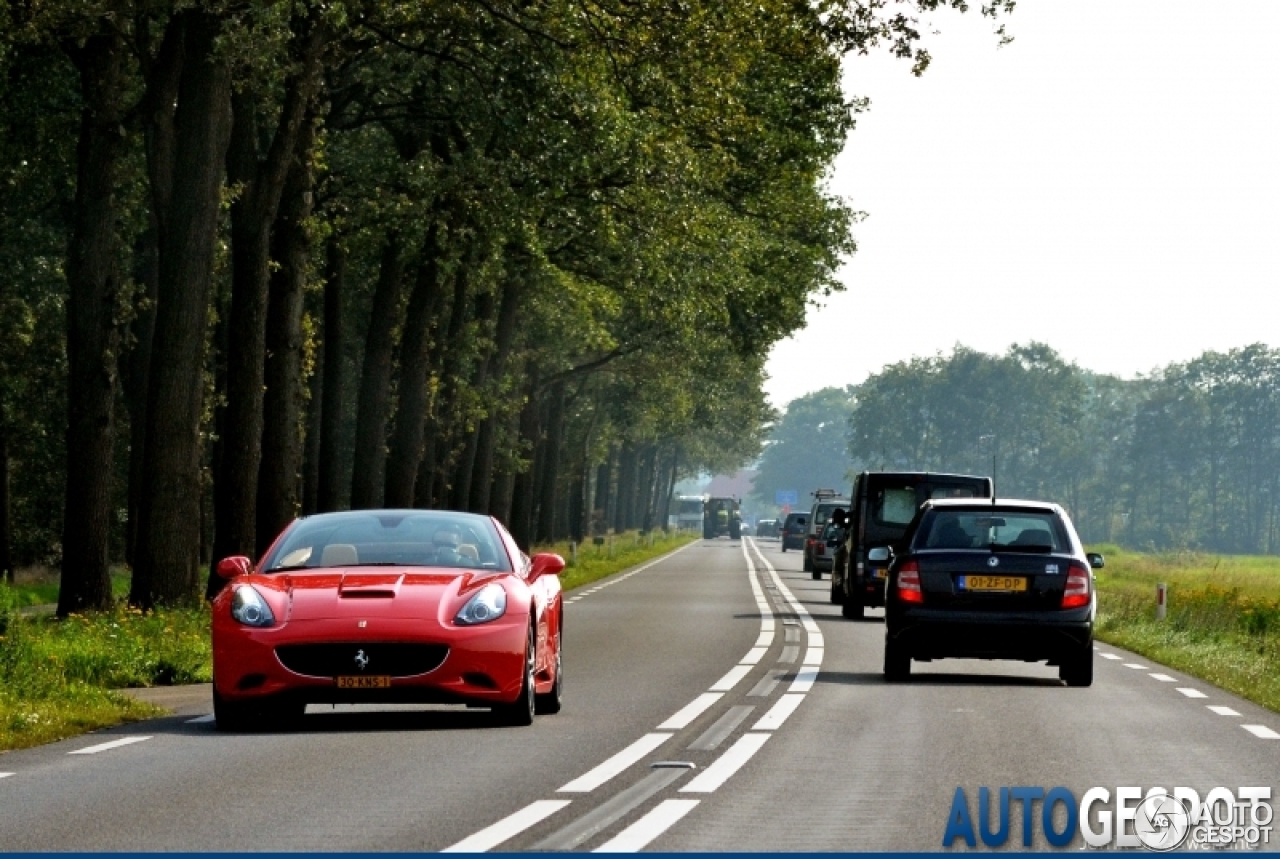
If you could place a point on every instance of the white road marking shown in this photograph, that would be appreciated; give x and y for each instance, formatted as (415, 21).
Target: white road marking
(616, 764)
(1192, 693)
(1222, 711)
(728, 681)
(1163, 678)
(805, 679)
(200, 720)
(691, 711)
(1135, 665)
(754, 655)
(778, 713)
(766, 637)
(813, 656)
(508, 827)
(636, 836)
(1109, 656)
(114, 744)
(5, 775)
(723, 768)
(1261, 731)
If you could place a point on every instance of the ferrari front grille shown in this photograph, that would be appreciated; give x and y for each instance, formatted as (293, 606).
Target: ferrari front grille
(373, 658)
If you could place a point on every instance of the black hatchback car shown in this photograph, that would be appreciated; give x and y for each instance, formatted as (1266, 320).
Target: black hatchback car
(793, 530)
(991, 580)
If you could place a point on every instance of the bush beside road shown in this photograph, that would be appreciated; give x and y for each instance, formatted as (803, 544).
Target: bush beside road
(1222, 621)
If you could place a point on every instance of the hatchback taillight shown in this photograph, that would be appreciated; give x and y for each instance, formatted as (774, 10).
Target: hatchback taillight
(908, 587)
(1079, 586)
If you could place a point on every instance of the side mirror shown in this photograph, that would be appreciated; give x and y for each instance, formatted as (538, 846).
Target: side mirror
(236, 565)
(545, 564)
(1096, 561)
(879, 555)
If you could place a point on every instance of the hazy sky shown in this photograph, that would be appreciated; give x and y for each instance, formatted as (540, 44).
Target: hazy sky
(1109, 184)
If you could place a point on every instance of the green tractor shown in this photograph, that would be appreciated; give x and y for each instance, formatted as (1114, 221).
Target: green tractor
(721, 517)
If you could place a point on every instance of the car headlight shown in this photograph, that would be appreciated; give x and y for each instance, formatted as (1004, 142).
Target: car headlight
(248, 607)
(489, 603)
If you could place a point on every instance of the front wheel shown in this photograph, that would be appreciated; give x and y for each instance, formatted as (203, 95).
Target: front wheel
(852, 608)
(897, 661)
(1078, 670)
(549, 703)
(232, 716)
(520, 712)
(836, 596)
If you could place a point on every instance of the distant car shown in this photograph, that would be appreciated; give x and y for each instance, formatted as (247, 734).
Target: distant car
(387, 606)
(990, 580)
(824, 550)
(826, 502)
(767, 529)
(793, 530)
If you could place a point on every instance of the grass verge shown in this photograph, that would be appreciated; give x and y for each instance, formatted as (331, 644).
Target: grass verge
(1222, 622)
(627, 550)
(57, 676)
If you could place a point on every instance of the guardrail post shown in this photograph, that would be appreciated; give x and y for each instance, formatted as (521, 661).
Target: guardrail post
(1162, 599)
(573, 553)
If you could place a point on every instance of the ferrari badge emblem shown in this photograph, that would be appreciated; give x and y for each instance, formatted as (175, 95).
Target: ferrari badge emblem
(362, 661)
(993, 561)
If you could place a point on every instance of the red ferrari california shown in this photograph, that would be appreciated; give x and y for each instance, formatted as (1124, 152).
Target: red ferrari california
(388, 606)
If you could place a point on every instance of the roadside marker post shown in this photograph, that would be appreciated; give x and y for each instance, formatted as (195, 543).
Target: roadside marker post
(1162, 599)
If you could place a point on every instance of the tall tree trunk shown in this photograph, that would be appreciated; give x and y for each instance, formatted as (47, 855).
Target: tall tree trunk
(186, 150)
(548, 527)
(253, 213)
(93, 337)
(448, 416)
(525, 482)
(311, 440)
(670, 489)
(604, 474)
(415, 370)
(282, 404)
(504, 340)
(648, 492)
(6, 518)
(136, 379)
(375, 381)
(331, 404)
(626, 487)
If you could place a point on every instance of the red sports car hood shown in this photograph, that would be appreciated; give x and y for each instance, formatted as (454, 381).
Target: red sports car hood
(362, 593)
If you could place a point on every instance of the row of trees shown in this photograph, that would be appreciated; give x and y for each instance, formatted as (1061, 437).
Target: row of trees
(1186, 457)
(271, 256)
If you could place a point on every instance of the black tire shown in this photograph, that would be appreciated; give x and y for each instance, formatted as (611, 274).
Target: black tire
(784, 546)
(851, 608)
(549, 704)
(897, 661)
(1078, 670)
(233, 716)
(519, 713)
(817, 576)
(837, 598)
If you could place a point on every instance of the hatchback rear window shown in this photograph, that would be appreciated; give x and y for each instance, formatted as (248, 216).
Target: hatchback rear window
(1013, 531)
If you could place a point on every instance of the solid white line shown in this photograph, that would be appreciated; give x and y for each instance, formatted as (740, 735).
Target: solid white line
(509, 827)
(728, 681)
(765, 639)
(1163, 678)
(636, 836)
(1109, 656)
(200, 720)
(1261, 731)
(1135, 665)
(816, 640)
(723, 768)
(813, 656)
(114, 744)
(1192, 693)
(778, 713)
(691, 711)
(804, 681)
(1222, 711)
(754, 655)
(616, 764)
(5, 775)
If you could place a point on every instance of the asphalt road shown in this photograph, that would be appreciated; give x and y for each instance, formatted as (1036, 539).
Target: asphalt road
(764, 710)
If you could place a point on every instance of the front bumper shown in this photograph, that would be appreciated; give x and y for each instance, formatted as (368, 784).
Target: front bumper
(1030, 636)
(484, 664)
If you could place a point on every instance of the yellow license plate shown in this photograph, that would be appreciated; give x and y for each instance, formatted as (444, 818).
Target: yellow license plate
(993, 583)
(372, 681)
(878, 574)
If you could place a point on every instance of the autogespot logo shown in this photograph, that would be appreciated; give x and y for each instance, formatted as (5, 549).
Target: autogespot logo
(1157, 819)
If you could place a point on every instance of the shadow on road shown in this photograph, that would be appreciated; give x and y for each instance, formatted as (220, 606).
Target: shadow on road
(854, 678)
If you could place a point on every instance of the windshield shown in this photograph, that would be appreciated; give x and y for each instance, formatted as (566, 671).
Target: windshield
(1000, 530)
(390, 539)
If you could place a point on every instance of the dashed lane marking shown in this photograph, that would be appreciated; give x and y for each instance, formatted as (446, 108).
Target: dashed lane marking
(1222, 711)
(610, 811)
(778, 713)
(728, 681)
(1262, 732)
(1109, 656)
(200, 720)
(1163, 678)
(591, 780)
(114, 744)
(1191, 693)
(508, 827)
(805, 678)
(1135, 665)
(5, 775)
(638, 835)
(724, 767)
(691, 711)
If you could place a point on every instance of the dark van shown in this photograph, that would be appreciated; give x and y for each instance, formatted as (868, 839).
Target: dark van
(794, 530)
(883, 505)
